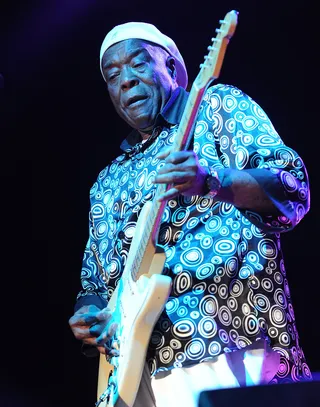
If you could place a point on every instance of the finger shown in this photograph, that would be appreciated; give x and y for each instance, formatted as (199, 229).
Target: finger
(103, 338)
(114, 352)
(115, 345)
(101, 349)
(170, 167)
(185, 189)
(90, 341)
(107, 334)
(83, 319)
(176, 177)
(113, 349)
(186, 168)
(85, 331)
(81, 333)
(164, 153)
(178, 157)
(104, 315)
(171, 193)
(96, 329)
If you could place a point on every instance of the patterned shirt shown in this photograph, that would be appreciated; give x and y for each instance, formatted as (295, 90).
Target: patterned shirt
(229, 283)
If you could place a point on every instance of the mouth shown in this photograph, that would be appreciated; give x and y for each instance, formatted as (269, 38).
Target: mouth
(135, 100)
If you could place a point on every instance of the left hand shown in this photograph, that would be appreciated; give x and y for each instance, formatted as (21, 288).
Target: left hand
(182, 172)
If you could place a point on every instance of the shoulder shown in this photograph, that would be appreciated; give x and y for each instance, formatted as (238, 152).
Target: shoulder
(224, 99)
(228, 99)
(224, 90)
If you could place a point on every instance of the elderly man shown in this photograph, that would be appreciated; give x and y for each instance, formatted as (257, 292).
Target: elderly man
(229, 319)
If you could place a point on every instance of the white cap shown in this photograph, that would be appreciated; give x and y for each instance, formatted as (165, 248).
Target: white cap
(148, 32)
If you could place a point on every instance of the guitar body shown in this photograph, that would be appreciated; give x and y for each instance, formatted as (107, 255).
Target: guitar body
(136, 306)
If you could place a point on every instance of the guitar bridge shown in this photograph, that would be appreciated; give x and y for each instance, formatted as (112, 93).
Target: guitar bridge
(105, 396)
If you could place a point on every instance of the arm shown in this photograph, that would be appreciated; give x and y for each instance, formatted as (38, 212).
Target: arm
(240, 188)
(93, 277)
(91, 322)
(244, 189)
(261, 176)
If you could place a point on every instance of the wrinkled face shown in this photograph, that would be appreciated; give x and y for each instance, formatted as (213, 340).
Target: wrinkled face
(140, 77)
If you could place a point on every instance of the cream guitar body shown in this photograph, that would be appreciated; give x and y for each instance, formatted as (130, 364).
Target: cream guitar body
(136, 306)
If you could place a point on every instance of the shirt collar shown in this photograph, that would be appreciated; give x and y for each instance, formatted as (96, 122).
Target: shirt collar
(171, 114)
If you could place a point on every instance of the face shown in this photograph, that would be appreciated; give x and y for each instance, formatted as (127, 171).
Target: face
(140, 78)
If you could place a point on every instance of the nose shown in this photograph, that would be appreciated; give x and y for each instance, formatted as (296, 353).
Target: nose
(128, 79)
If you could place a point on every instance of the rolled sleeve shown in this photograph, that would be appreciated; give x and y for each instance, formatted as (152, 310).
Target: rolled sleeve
(245, 139)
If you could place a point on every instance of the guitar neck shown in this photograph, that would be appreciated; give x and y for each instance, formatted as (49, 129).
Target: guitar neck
(209, 71)
(181, 140)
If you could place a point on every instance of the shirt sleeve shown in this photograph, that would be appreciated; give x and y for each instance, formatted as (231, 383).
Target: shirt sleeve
(246, 139)
(93, 276)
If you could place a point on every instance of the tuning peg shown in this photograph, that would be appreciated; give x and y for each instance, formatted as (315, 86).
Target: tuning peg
(210, 48)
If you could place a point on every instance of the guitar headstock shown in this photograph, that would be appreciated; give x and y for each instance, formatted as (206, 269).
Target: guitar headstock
(211, 67)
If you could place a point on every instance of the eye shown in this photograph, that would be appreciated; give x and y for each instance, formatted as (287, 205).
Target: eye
(112, 77)
(138, 64)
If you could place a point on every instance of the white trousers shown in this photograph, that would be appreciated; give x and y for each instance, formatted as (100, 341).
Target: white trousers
(181, 387)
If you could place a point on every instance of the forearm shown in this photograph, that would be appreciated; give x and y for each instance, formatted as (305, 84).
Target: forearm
(93, 279)
(245, 189)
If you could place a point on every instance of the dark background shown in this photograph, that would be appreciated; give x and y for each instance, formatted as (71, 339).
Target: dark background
(58, 130)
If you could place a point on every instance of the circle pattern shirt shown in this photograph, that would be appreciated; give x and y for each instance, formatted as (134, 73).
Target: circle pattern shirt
(230, 285)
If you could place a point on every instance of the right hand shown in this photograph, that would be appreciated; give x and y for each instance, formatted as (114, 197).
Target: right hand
(94, 327)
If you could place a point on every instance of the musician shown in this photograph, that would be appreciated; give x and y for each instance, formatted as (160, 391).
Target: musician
(229, 320)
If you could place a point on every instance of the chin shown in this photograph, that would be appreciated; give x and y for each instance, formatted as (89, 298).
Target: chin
(146, 129)
(143, 126)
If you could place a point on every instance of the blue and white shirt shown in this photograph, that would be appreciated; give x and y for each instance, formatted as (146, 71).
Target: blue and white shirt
(230, 286)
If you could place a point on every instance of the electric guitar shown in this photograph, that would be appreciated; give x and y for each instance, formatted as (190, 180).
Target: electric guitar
(143, 291)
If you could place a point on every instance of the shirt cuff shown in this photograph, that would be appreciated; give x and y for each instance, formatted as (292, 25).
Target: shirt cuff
(273, 187)
(90, 300)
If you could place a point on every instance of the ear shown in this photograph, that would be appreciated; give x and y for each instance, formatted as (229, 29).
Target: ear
(171, 65)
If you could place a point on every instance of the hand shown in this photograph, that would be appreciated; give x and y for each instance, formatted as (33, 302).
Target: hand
(94, 327)
(183, 172)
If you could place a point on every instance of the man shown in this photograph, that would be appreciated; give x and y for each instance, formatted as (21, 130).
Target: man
(229, 319)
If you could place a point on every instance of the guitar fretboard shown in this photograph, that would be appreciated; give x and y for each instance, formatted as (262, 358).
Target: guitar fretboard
(209, 71)
(181, 139)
